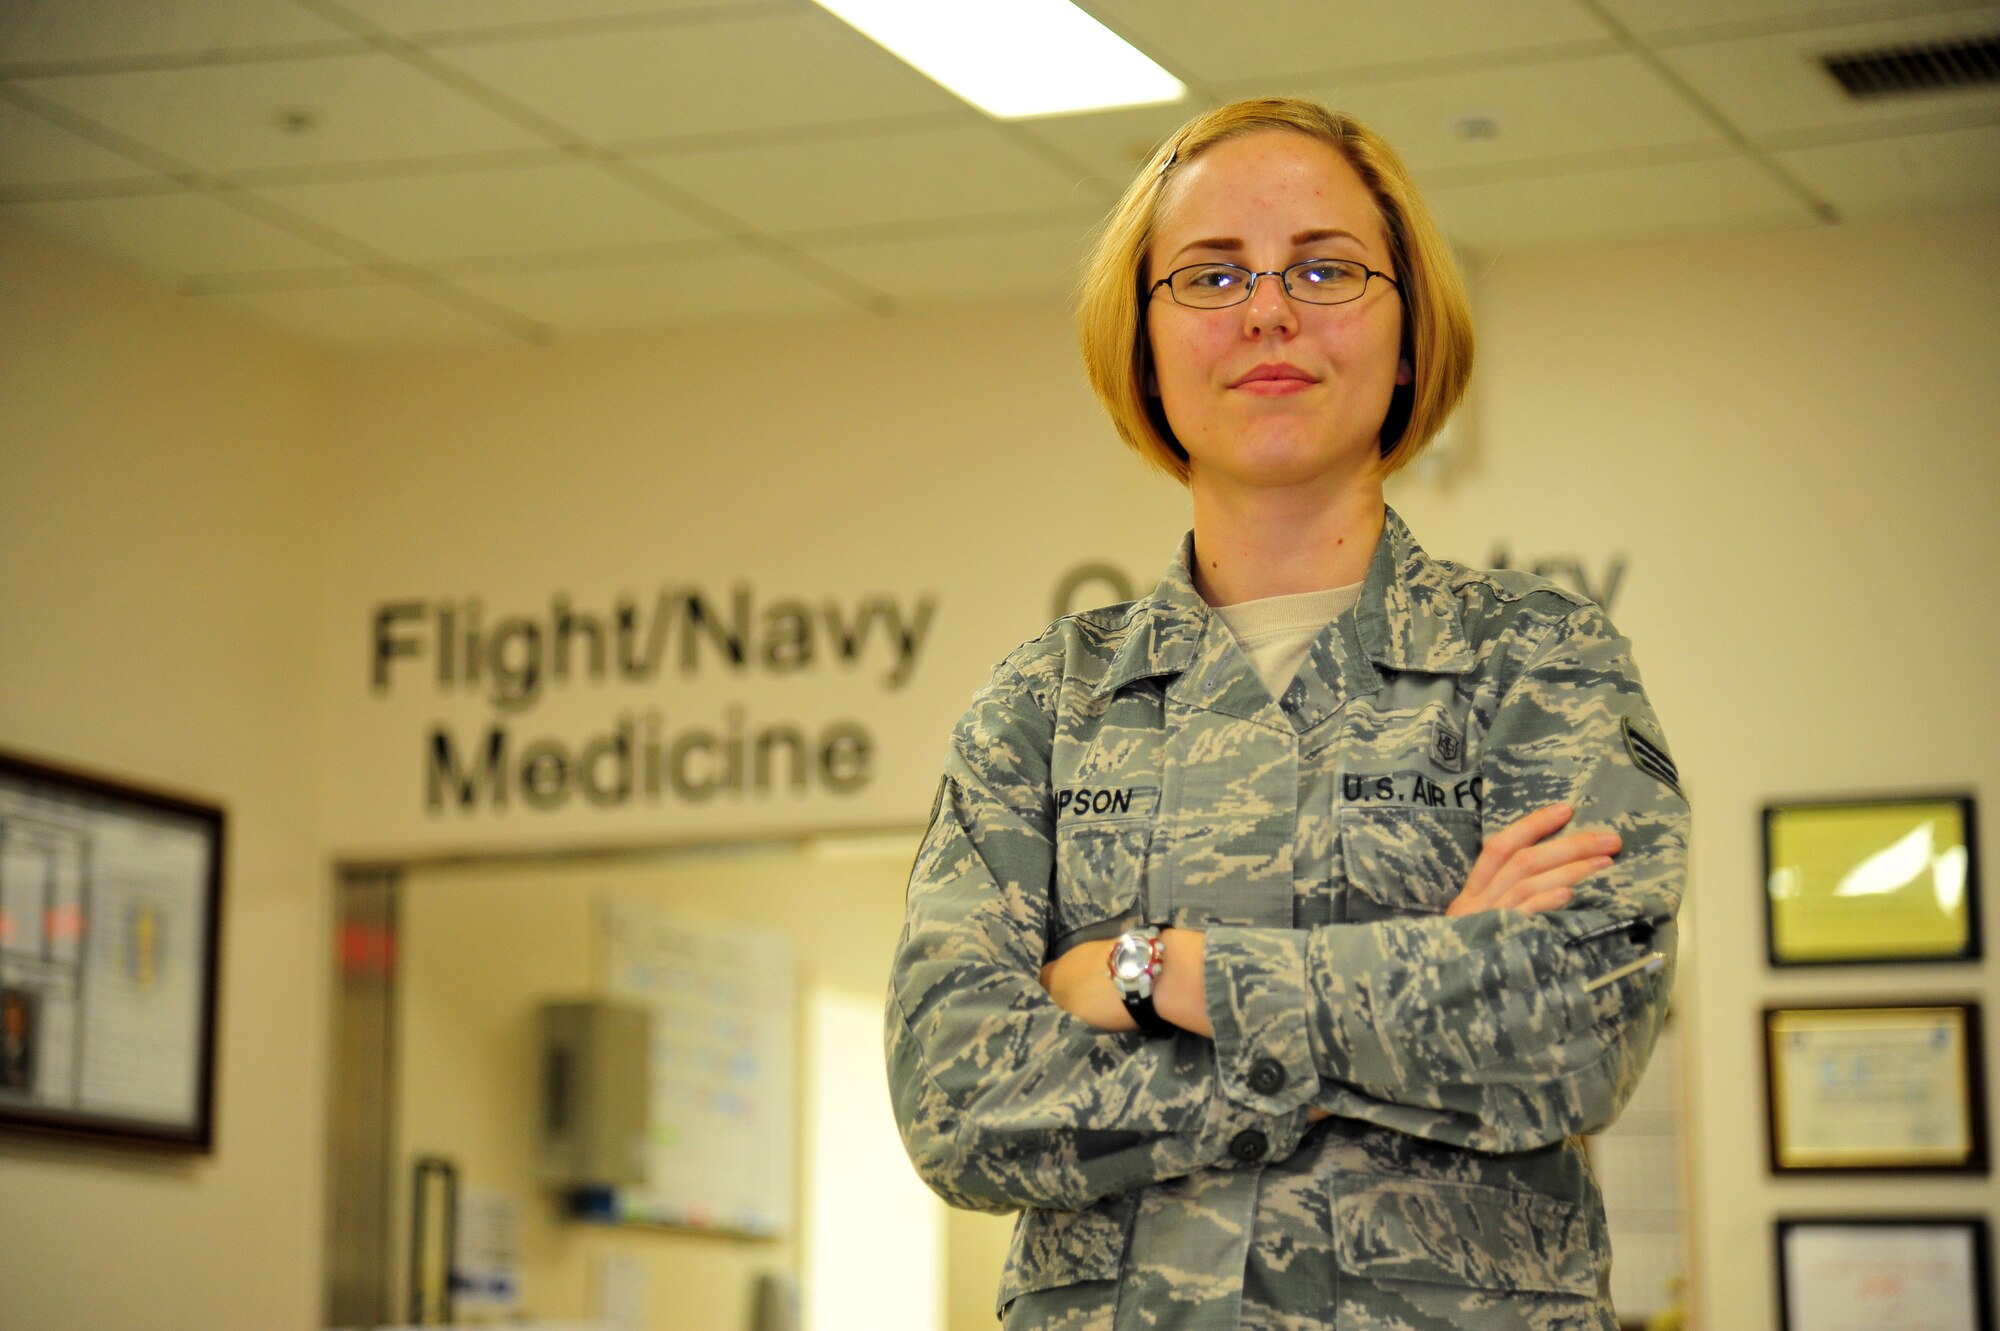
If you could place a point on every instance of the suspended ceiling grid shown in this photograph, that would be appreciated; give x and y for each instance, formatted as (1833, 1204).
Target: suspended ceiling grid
(378, 173)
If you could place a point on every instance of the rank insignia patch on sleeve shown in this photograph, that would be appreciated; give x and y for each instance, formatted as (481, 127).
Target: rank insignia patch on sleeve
(1650, 754)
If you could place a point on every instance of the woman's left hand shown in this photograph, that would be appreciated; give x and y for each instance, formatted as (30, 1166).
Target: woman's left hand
(1080, 982)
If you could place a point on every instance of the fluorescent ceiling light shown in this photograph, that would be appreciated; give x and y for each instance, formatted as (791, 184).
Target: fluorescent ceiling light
(1013, 58)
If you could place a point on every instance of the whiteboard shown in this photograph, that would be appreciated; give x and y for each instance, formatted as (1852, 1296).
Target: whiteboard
(721, 1069)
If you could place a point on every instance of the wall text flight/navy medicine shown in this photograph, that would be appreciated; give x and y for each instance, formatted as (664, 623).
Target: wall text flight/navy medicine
(514, 657)
(511, 660)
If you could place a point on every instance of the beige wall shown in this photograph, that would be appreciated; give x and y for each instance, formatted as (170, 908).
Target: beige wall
(157, 574)
(1798, 478)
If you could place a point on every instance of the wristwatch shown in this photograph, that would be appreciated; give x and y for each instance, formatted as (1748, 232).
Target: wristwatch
(1136, 959)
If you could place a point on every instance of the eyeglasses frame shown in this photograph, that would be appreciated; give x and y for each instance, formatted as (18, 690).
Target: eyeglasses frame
(1283, 280)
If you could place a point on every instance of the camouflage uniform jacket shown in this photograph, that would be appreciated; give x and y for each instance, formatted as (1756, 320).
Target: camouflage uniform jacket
(1129, 763)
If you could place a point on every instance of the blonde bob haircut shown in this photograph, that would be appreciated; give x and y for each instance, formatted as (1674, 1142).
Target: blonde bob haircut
(1437, 324)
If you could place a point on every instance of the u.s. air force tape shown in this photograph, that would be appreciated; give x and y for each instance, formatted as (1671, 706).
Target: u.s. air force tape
(1649, 752)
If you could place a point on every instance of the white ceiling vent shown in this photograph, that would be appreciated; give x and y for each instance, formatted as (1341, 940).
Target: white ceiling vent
(1893, 71)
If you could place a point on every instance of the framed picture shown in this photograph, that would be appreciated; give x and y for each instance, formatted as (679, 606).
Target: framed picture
(1876, 1089)
(1885, 1273)
(1871, 880)
(110, 930)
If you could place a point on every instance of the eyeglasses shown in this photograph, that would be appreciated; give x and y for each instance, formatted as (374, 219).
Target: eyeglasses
(1215, 286)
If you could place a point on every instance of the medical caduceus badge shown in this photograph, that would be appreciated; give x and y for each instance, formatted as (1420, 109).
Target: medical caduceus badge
(1447, 747)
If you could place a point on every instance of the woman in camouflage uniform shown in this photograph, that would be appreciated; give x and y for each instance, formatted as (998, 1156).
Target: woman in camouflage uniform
(1329, 777)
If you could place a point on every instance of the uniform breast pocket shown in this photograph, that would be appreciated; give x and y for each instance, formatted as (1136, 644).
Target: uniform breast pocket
(1403, 862)
(1100, 870)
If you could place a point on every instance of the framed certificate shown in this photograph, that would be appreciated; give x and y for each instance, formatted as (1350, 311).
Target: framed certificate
(1884, 1273)
(1871, 880)
(110, 925)
(1876, 1089)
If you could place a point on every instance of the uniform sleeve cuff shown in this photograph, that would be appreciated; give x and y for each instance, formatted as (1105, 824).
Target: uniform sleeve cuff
(1255, 980)
(1237, 1136)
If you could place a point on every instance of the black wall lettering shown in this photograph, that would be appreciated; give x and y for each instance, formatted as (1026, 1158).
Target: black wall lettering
(389, 644)
(445, 776)
(1095, 575)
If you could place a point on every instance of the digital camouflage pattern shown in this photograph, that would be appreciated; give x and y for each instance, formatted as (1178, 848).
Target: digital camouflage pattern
(1130, 764)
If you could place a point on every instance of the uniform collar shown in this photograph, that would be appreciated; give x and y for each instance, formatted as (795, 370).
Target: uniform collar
(1407, 617)
(1166, 627)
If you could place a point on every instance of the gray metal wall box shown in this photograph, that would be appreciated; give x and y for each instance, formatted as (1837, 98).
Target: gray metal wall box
(594, 1072)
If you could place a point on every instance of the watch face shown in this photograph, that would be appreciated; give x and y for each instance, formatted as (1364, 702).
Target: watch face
(1129, 958)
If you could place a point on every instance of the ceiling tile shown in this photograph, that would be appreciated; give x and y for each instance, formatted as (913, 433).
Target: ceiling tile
(1271, 41)
(39, 30)
(760, 73)
(1918, 173)
(1773, 85)
(171, 235)
(1113, 144)
(362, 318)
(35, 152)
(1612, 207)
(529, 210)
(409, 17)
(716, 289)
(1649, 18)
(892, 178)
(1555, 109)
(1042, 261)
(223, 117)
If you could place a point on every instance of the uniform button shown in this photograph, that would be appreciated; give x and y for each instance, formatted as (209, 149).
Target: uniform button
(1267, 1076)
(1248, 1145)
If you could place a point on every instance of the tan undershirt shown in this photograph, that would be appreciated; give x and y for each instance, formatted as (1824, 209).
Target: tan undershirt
(1276, 632)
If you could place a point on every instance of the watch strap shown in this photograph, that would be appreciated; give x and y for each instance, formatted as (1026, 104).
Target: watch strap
(1137, 996)
(1149, 1018)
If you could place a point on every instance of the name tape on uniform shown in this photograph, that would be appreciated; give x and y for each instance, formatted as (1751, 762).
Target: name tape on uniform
(1108, 802)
